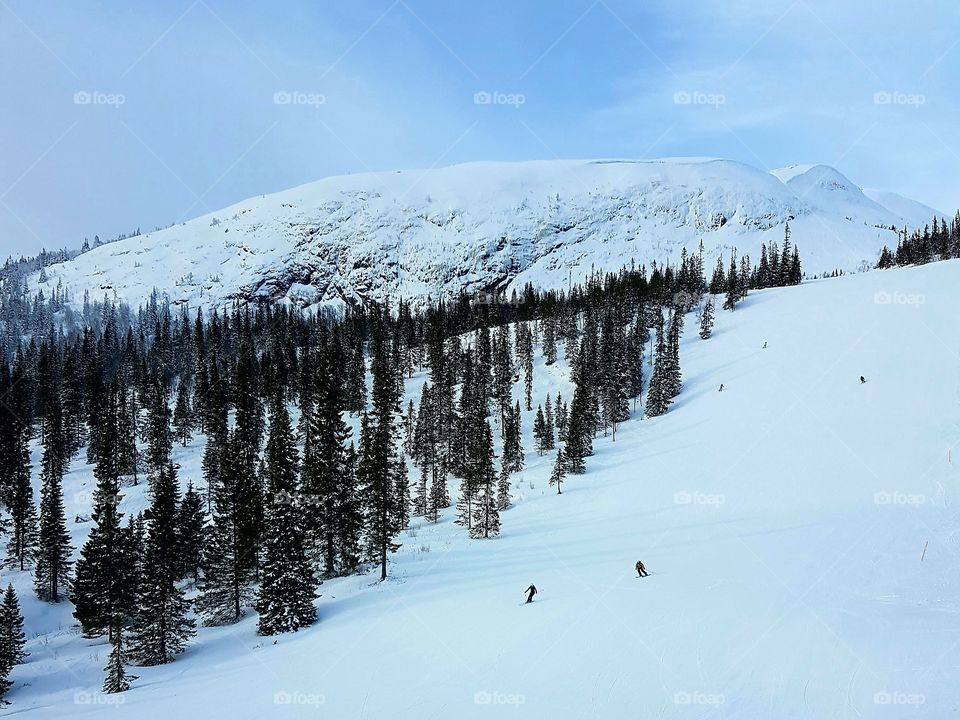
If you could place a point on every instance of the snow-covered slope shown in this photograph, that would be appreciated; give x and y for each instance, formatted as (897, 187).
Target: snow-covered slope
(480, 225)
(783, 521)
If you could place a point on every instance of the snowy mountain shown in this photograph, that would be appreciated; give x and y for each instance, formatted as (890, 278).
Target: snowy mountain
(800, 528)
(481, 225)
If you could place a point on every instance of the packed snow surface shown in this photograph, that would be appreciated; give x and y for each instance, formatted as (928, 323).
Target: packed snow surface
(421, 233)
(784, 521)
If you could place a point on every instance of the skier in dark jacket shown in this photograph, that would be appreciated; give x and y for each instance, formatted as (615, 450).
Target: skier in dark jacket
(862, 380)
(531, 591)
(641, 570)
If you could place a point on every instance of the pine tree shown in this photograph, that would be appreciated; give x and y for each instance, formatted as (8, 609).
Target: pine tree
(52, 572)
(513, 459)
(706, 319)
(117, 679)
(161, 627)
(733, 284)
(325, 463)
(503, 490)
(225, 589)
(486, 511)
(540, 431)
(23, 539)
(287, 589)
(158, 429)
(559, 471)
(191, 533)
(183, 414)
(12, 637)
(104, 585)
(379, 467)
(549, 423)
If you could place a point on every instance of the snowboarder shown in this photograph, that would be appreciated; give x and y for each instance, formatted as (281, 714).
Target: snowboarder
(531, 591)
(641, 570)
(862, 380)
(721, 388)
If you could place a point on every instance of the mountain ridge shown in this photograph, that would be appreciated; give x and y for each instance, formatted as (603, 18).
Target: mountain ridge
(437, 232)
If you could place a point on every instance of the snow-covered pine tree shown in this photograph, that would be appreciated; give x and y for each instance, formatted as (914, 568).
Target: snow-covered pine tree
(52, 571)
(540, 431)
(549, 423)
(12, 637)
(733, 284)
(117, 679)
(380, 460)
(105, 576)
(288, 586)
(325, 462)
(161, 627)
(22, 545)
(706, 319)
(191, 533)
(183, 419)
(503, 490)
(227, 573)
(512, 459)
(486, 512)
(559, 471)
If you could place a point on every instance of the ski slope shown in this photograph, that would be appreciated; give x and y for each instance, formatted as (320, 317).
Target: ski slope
(438, 232)
(783, 522)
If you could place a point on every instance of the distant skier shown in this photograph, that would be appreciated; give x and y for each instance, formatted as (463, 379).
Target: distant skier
(764, 344)
(531, 591)
(862, 380)
(721, 388)
(641, 570)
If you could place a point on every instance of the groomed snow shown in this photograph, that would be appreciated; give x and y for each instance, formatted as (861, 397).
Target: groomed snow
(783, 522)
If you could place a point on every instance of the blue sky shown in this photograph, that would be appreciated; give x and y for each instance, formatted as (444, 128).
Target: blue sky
(121, 115)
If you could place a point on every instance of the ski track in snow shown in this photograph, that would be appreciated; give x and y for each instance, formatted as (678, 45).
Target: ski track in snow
(783, 586)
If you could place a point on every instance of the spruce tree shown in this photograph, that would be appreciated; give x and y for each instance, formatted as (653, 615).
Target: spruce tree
(52, 571)
(191, 533)
(287, 587)
(12, 637)
(117, 679)
(22, 545)
(379, 464)
(486, 511)
(183, 414)
(161, 627)
(706, 319)
(325, 463)
(540, 431)
(559, 471)
(225, 589)
(104, 585)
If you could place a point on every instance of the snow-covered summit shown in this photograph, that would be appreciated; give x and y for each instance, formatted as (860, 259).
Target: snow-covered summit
(489, 224)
